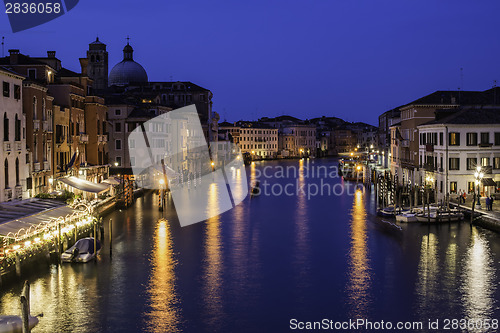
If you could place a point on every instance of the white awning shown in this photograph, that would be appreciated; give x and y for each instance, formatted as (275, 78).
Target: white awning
(26, 222)
(111, 181)
(84, 185)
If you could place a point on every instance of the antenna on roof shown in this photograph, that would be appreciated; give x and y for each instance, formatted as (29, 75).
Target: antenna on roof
(128, 39)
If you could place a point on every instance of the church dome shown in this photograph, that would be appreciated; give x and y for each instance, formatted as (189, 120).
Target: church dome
(127, 71)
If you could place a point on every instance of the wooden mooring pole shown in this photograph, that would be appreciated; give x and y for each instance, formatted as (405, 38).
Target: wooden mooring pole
(110, 231)
(25, 307)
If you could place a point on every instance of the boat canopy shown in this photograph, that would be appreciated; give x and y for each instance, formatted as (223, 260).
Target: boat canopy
(84, 185)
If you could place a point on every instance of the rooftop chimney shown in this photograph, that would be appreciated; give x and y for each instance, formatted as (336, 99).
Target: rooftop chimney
(51, 54)
(84, 63)
(14, 56)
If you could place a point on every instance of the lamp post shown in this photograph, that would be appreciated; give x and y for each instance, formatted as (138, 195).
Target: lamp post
(428, 179)
(478, 175)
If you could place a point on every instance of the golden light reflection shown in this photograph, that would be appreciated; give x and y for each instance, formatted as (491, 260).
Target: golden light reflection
(478, 279)
(301, 230)
(359, 281)
(163, 299)
(427, 284)
(212, 277)
(63, 299)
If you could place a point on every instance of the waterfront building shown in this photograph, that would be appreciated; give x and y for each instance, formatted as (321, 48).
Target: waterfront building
(13, 181)
(297, 140)
(404, 135)
(124, 115)
(385, 121)
(37, 108)
(130, 94)
(61, 152)
(257, 139)
(455, 144)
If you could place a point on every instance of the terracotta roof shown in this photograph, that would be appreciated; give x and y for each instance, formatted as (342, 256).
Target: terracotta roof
(469, 116)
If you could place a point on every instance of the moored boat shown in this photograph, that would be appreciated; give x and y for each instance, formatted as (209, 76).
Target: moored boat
(406, 217)
(81, 251)
(14, 324)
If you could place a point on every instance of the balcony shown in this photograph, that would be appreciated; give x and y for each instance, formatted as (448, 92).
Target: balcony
(103, 138)
(36, 125)
(429, 167)
(84, 138)
(405, 143)
(45, 126)
(7, 146)
(18, 146)
(46, 165)
(485, 145)
(429, 148)
(18, 192)
(36, 166)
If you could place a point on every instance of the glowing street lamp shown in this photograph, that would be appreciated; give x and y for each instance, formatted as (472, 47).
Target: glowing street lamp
(116, 164)
(478, 175)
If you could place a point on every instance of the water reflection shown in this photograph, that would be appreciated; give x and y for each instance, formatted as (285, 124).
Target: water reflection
(212, 272)
(163, 315)
(427, 284)
(478, 284)
(359, 281)
(301, 232)
(73, 295)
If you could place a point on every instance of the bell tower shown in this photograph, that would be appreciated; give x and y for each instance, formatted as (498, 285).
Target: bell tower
(97, 64)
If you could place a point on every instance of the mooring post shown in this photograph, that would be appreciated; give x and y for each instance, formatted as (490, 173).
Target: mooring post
(59, 238)
(110, 231)
(25, 308)
(18, 264)
(95, 240)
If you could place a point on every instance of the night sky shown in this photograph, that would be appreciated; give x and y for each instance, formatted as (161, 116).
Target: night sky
(307, 58)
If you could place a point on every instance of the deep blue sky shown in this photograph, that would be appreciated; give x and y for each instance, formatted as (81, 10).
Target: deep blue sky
(307, 58)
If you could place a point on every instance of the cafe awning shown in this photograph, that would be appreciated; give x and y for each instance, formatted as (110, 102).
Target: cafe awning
(489, 182)
(111, 181)
(14, 226)
(84, 185)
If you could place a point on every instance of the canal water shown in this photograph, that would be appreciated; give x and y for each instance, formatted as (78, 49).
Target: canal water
(302, 255)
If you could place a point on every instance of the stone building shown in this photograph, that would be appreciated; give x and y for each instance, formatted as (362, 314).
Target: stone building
(455, 144)
(13, 180)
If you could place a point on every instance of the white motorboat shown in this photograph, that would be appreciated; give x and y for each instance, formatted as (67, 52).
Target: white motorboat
(445, 216)
(82, 251)
(14, 324)
(406, 217)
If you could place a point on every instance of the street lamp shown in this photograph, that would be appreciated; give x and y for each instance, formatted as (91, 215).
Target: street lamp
(116, 164)
(478, 175)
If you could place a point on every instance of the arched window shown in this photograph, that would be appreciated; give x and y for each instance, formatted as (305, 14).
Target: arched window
(5, 127)
(44, 115)
(6, 175)
(92, 58)
(34, 108)
(97, 58)
(17, 171)
(17, 129)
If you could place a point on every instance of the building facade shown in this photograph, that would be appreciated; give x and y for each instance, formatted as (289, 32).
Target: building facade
(13, 181)
(451, 149)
